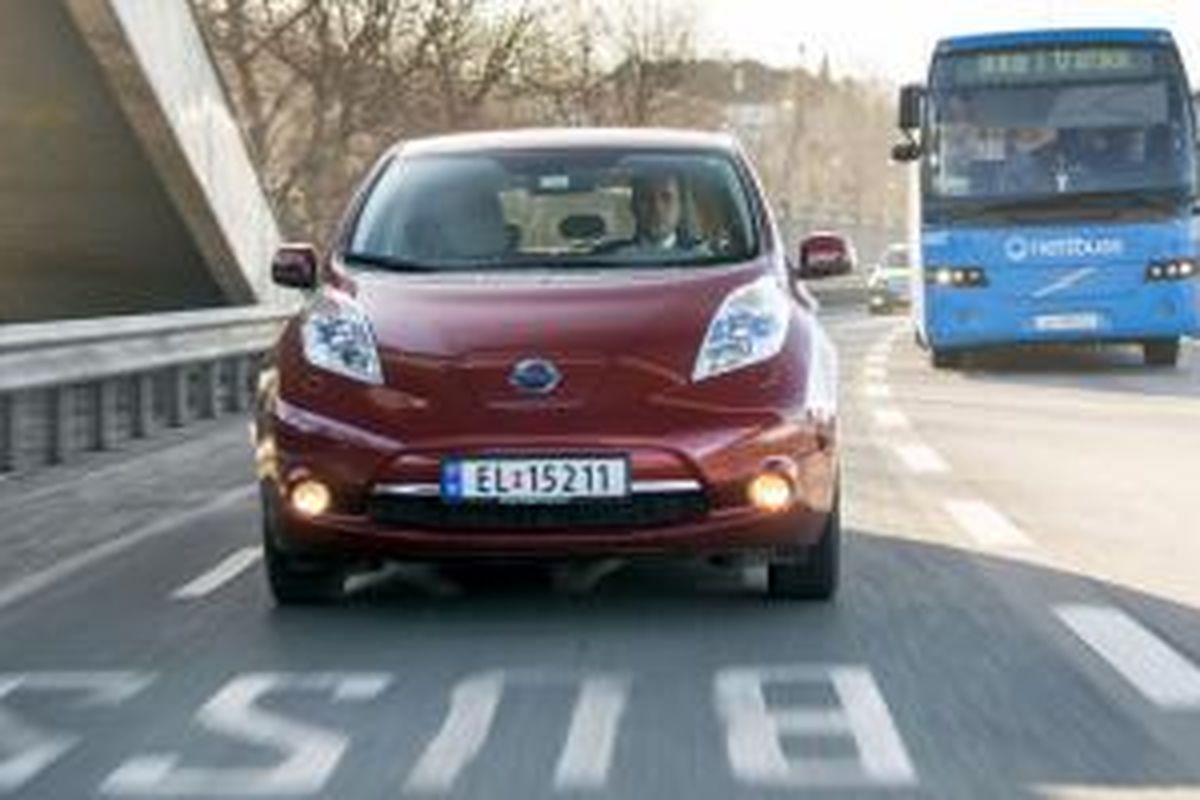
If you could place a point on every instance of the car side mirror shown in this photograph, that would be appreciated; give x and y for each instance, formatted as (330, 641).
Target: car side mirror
(295, 266)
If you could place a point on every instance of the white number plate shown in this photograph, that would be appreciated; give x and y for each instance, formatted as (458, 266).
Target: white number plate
(534, 480)
(1067, 322)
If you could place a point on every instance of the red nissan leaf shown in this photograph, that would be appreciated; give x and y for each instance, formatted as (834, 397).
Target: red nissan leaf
(550, 345)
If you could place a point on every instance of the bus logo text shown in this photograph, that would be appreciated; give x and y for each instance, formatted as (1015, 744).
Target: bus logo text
(1021, 248)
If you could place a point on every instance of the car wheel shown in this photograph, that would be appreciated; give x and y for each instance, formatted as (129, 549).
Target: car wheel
(943, 359)
(1161, 352)
(814, 576)
(297, 581)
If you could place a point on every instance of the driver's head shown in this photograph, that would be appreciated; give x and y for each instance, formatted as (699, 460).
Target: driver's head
(656, 205)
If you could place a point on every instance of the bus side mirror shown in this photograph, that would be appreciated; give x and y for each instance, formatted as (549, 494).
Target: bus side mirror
(912, 107)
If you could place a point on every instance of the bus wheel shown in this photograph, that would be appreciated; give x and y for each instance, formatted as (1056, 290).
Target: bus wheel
(945, 359)
(1161, 352)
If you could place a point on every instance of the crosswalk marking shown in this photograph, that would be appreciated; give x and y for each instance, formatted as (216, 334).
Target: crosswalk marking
(1158, 671)
(987, 526)
(224, 572)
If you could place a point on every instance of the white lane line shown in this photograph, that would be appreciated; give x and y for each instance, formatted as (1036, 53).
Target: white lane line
(1157, 670)
(229, 568)
(873, 374)
(891, 418)
(31, 585)
(987, 526)
(921, 459)
(877, 391)
(875, 360)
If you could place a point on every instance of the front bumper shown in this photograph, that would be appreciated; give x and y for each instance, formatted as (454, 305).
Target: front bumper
(704, 473)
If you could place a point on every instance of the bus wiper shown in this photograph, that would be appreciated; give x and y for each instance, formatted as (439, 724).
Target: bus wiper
(385, 262)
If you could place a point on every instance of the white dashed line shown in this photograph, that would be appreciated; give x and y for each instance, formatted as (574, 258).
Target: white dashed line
(987, 526)
(875, 360)
(875, 374)
(921, 459)
(891, 418)
(221, 574)
(877, 391)
(1158, 671)
(39, 581)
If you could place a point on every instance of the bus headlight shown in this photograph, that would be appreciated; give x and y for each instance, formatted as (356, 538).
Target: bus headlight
(961, 277)
(1175, 269)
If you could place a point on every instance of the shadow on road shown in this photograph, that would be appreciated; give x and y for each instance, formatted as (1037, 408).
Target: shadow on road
(1112, 368)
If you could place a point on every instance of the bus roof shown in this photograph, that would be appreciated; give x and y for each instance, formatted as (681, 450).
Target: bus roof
(996, 41)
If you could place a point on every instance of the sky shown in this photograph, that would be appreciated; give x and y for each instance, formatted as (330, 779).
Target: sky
(892, 39)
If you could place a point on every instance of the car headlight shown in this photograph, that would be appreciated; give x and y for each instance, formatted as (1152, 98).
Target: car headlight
(749, 328)
(337, 337)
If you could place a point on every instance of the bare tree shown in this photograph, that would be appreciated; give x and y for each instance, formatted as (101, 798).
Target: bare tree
(656, 42)
(323, 86)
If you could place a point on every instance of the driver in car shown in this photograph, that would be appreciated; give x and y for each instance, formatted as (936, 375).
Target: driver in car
(657, 206)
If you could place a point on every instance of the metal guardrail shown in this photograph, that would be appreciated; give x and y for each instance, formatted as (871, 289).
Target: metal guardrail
(68, 388)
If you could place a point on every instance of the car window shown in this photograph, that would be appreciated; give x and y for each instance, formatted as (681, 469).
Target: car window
(558, 209)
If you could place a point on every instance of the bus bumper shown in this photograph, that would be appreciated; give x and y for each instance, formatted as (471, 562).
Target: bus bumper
(961, 319)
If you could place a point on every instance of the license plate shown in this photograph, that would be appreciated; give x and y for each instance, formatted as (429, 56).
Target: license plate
(534, 480)
(1067, 322)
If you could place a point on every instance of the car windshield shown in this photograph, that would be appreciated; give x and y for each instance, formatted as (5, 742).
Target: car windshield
(896, 258)
(551, 209)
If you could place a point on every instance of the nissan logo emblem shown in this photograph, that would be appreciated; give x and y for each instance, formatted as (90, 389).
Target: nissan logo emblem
(535, 376)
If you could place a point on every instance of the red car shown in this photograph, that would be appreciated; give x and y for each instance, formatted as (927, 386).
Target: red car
(826, 254)
(550, 345)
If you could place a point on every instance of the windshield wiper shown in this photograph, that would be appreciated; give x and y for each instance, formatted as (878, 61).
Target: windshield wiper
(385, 262)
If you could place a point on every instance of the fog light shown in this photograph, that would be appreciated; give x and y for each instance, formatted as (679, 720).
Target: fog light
(311, 498)
(771, 492)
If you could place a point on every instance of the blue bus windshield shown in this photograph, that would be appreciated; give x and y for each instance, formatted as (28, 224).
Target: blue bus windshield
(1000, 133)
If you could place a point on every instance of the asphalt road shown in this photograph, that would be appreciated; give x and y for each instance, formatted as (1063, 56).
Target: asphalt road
(1020, 618)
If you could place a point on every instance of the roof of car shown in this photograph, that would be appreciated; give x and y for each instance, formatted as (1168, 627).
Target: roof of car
(569, 138)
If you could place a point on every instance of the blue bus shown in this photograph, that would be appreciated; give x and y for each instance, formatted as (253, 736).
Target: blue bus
(1057, 202)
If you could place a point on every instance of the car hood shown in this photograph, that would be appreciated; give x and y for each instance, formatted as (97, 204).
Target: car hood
(659, 315)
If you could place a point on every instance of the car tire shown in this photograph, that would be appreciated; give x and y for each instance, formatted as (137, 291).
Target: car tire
(1161, 352)
(296, 581)
(943, 359)
(815, 575)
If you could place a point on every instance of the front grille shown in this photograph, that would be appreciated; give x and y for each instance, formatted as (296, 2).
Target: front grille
(638, 511)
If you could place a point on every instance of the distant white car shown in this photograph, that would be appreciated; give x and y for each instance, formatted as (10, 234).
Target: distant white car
(888, 284)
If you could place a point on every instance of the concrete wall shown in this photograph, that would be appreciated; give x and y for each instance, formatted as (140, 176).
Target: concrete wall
(125, 185)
